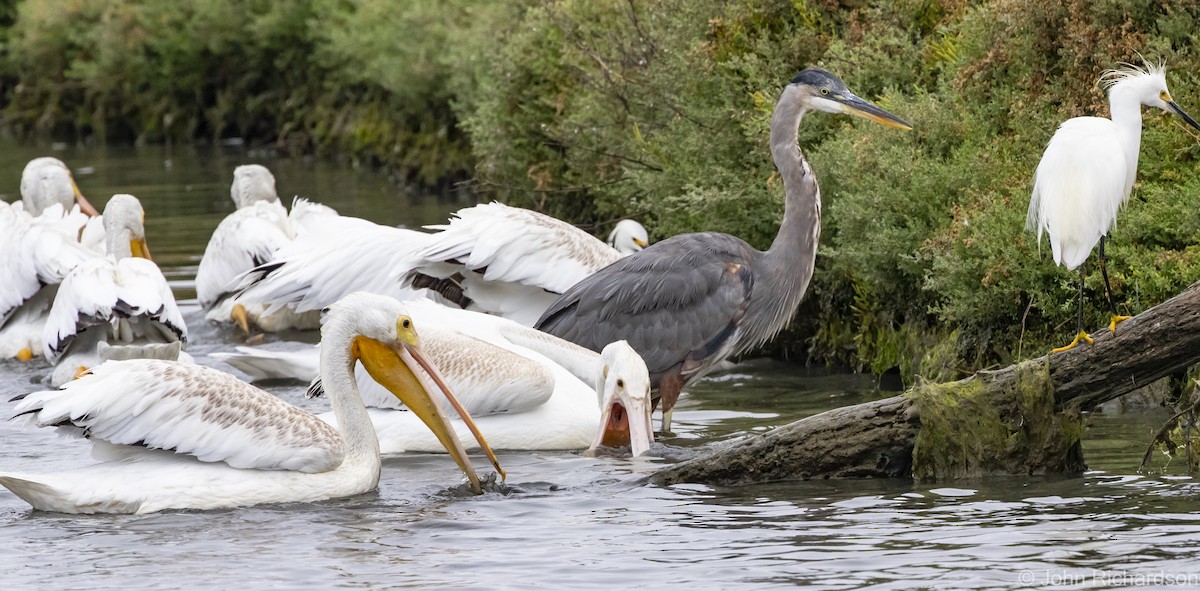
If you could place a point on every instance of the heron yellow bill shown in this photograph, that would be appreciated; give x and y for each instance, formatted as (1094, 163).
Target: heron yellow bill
(853, 105)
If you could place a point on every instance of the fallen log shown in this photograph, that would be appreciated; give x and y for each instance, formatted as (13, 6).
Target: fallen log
(1023, 419)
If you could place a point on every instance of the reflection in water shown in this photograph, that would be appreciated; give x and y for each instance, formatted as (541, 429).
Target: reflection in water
(575, 521)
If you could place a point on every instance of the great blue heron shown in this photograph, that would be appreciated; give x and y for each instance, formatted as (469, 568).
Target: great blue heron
(1088, 170)
(688, 302)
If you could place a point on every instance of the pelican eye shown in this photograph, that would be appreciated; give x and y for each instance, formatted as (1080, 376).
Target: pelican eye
(620, 383)
(406, 323)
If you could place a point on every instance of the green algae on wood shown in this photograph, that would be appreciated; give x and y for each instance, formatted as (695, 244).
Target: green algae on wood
(980, 427)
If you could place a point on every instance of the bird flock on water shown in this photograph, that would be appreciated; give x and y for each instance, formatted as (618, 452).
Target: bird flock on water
(502, 328)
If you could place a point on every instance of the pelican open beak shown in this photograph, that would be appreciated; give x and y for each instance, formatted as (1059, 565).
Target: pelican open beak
(1182, 114)
(140, 249)
(84, 205)
(853, 105)
(625, 420)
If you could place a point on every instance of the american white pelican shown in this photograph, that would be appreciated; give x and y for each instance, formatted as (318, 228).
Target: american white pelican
(339, 256)
(42, 238)
(492, 258)
(526, 390)
(119, 299)
(507, 261)
(46, 181)
(193, 437)
(628, 237)
(247, 238)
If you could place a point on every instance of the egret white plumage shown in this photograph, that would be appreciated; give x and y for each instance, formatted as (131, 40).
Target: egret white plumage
(121, 299)
(689, 302)
(249, 237)
(628, 237)
(193, 437)
(525, 389)
(1087, 172)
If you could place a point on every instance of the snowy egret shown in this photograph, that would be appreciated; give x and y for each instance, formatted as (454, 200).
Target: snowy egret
(1087, 171)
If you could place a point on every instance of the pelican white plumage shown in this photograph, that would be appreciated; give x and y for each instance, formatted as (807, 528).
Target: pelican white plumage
(507, 261)
(1087, 172)
(249, 237)
(233, 444)
(121, 299)
(526, 390)
(42, 238)
(628, 237)
(46, 181)
(492, 258)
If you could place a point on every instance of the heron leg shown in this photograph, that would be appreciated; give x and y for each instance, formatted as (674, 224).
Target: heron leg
(1112, 324)
(1081, 335)
(669, 387)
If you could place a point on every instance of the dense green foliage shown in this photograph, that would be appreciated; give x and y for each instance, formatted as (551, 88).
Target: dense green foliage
(596, 109)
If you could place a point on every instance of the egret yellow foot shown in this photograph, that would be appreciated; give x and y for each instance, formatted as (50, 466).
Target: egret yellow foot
(241, 317)
(1112, 324)
(1082, 336)
(25, 354)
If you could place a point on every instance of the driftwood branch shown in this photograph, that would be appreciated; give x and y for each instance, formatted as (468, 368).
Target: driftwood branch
(877, 439)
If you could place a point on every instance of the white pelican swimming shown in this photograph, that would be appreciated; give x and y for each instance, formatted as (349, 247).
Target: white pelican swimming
(249, 237)
(493, 258)
(46, 181)
(193, 437)
(40, 242)
(120, 299)
(507, 261)
(526, 390)
(628, 237)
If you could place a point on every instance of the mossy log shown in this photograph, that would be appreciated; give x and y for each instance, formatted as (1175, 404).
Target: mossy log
(1023, 419)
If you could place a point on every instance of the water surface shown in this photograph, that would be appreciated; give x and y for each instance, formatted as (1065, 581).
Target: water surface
(572, 521)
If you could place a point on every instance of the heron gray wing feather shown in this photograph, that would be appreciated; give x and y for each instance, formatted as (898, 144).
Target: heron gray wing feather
(678, 301)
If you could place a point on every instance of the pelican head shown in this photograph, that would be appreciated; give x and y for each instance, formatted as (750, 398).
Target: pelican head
(387, 345)
(628, 237)
(252, 183)
(819, 89)
(624, 391)
(1147, 85)
(46, 181)
(124, 227)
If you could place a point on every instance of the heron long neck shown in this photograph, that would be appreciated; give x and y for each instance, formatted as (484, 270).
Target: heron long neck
(337, 375)
(1127, 116)
(787, 266)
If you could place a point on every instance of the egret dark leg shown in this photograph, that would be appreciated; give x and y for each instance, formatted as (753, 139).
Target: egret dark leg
(669, 387)
(1081, 335)
(1112, 324)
